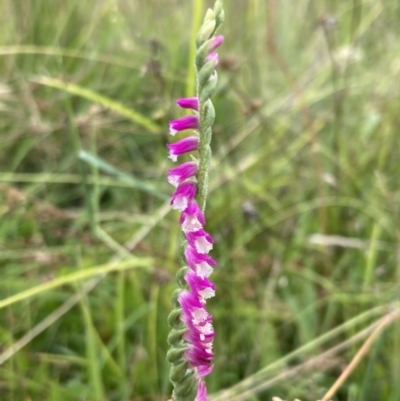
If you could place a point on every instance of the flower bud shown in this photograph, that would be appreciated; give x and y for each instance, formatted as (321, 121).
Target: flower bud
(205, 32)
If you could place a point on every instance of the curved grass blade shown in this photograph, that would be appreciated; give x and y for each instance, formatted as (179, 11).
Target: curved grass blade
(76, 276)
(109, 169)
(100, 99)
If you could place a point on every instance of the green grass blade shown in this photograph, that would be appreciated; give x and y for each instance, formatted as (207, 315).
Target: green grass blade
(100, 99)
(74, 277)
(107, 168)
(96, 388)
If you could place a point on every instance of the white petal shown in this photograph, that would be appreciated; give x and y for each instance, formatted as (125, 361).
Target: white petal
(209, 349)
(173, 157)
(207, 329)
(191, 224)
(207, 293)
(173, 180)
(180, 203)
(202, 245)
(199, 315)
(203, 269)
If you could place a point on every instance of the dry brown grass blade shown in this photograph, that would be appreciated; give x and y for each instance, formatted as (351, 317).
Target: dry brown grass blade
(325, 357)
(385, 322)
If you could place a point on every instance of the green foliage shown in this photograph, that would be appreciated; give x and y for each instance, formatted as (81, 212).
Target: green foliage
(305, 142)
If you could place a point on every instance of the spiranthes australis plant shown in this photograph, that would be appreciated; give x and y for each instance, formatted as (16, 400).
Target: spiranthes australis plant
(192, 333)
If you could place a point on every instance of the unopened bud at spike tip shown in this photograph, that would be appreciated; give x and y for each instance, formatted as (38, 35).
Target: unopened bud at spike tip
(205, 32)
(210, 15)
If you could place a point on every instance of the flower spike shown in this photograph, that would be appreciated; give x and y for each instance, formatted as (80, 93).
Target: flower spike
(192, 333)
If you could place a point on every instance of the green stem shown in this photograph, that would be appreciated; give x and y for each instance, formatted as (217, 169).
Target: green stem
(204, 157)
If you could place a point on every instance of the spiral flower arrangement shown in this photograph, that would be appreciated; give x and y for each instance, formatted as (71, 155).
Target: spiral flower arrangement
(192, 334)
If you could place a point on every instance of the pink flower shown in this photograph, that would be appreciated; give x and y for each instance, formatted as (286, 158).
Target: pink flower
(213, 56)
(184, 194)
(204, 370)
(182, 172)
(203, 287)
(195, 315)
(202, 264)
(185, 145)
(215, 42)
(187, 122)
(192, 218)
(200, 333)
(201, 392)
(188, 103)
(200, 240)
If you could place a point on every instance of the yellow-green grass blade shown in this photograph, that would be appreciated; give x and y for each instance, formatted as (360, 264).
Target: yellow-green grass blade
(76, 276)
(104, 101)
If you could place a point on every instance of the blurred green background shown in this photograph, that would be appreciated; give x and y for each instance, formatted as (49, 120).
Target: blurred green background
(304, 202)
